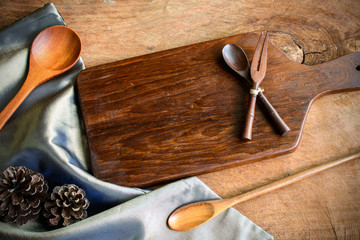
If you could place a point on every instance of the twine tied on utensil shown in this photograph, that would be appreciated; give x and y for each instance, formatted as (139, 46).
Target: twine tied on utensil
(256, 91)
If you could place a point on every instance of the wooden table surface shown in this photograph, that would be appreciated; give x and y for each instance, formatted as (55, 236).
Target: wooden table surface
(326, 206)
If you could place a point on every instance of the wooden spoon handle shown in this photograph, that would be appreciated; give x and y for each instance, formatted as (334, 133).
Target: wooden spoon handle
(274, 115)
(8, 111)
(290, 179)
(247, 134)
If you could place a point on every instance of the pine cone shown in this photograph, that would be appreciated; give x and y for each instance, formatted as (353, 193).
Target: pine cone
(22, 192)
(66, 205)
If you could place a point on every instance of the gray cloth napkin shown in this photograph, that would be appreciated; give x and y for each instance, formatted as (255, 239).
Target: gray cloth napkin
(46, 134)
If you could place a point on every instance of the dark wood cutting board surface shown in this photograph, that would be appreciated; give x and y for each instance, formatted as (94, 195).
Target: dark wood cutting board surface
(180, 112)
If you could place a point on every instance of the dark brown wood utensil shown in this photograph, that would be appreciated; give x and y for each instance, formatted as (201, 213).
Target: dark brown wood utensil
(237, 60)
(177, 113)
(257, 71)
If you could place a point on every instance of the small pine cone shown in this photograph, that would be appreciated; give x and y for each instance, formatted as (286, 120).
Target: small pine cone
(22, 192)
(67, 204)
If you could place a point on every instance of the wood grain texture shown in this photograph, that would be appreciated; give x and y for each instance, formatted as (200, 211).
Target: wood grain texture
(326, 206)
(309, 31)
(180, 112)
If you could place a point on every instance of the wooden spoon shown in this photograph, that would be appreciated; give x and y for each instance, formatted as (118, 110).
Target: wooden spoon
(54, 51)
(195, 214)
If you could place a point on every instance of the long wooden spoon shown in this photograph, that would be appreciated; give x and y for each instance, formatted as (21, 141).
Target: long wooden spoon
(54, 51)
(195, 214)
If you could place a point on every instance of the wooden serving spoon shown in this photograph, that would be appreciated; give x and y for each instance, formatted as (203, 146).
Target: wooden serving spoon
(54, 51)
(195, 214)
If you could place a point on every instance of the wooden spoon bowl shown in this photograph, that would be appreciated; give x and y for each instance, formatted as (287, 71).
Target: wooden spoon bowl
(56, 48)
(54, 51)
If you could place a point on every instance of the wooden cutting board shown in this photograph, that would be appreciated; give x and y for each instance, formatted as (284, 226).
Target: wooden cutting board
(180, 112)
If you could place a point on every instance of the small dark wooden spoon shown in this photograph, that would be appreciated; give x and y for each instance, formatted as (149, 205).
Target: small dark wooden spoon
(54, 51)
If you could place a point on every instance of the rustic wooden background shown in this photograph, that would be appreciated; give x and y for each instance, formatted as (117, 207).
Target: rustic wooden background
(325, 206)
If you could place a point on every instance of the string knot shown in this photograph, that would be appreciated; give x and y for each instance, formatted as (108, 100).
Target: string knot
(256, 91)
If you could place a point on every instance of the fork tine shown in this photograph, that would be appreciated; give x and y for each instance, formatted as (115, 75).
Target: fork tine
(256, 57)
(263, 60)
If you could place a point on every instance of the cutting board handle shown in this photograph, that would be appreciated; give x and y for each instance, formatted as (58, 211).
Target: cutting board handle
(341, 74)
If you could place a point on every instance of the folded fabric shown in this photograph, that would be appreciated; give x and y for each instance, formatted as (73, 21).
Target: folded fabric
(46, 135)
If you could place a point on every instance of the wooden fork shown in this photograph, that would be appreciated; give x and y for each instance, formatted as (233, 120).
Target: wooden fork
(257, 71)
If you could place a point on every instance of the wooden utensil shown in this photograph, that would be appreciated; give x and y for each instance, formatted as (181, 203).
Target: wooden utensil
(54, 51)
(257, 71)
(237, 60)
(195, 214)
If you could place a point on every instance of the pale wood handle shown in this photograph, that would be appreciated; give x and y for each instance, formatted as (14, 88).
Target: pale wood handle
(290, 179)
